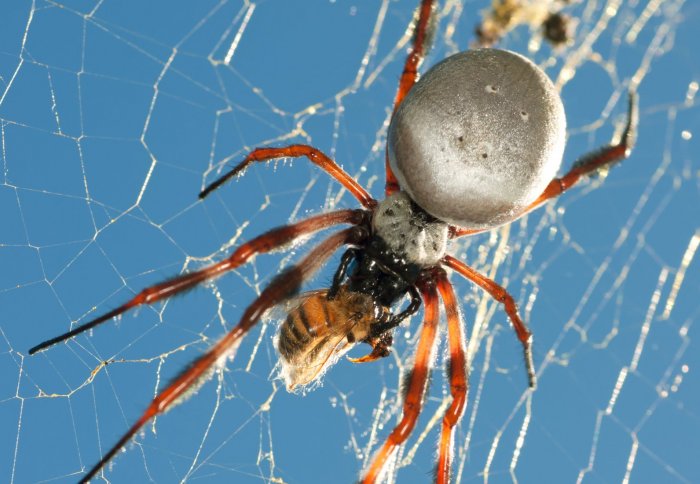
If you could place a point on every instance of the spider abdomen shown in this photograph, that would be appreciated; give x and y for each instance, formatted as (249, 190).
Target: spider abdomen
(478, 138)
(409, 232)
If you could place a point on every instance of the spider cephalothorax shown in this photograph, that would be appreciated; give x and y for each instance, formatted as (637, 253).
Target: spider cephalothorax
(409, 231)
(475, 144)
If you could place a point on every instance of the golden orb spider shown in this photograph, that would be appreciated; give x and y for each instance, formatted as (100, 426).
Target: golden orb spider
(474, 144)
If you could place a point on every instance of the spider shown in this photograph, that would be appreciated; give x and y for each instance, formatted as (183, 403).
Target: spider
(475, 144)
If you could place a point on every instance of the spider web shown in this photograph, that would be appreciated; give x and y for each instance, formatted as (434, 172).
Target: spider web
(114, 114)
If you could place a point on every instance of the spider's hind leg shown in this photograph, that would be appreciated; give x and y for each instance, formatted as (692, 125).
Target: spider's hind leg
(417, 385)
(602, 157)
(502, 296)
(458, 374)
(587, 164)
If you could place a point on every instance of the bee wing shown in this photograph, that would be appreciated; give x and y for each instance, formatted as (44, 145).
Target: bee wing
(321, 356)
(279, 312)
(326, 329)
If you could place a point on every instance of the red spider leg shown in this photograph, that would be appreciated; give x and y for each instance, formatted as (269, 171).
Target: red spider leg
(456, 232)
(295, 151)
(590, 162)
(459, 378)
(501, 295)
(281, 287)
(606, 156)
(267, 242)
(409, 76)
(417, 383)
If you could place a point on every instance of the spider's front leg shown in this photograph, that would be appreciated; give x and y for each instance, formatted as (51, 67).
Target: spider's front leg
(381, 334)
(314, 155)
(341, 272)
(381, 348)
(409, 76)
(380, 337)
(396, 319)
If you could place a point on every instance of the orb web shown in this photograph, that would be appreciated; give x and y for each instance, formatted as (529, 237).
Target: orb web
(113, 117)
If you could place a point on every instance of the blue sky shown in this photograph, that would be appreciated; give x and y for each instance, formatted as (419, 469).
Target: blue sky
(112, 121)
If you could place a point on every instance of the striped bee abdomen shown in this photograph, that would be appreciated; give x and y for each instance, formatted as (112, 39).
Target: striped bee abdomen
(316, 331)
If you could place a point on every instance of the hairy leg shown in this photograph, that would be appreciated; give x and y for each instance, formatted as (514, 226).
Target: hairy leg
(502, 296)
(283, 286)
(605, 156)
(409, 76)
(417, 384)
(602, 157)
(267, 242)
(459, 378)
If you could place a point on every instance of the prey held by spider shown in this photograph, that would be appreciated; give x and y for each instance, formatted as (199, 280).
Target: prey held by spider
(475, 144)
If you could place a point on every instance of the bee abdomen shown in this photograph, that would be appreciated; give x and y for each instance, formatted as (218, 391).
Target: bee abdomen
(317, 331)
(307, 323)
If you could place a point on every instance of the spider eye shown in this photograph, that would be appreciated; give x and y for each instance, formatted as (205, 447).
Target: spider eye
(478, 138)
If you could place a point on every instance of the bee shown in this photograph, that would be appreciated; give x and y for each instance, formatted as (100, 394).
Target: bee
(318, 329)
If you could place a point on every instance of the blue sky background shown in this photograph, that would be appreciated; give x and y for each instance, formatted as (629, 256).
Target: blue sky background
(114, 114)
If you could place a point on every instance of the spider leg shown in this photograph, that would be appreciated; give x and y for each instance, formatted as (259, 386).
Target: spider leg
(395, 320)
(605, 156)
(459, 378)
(409, 76)
(456, 232)
(296, 151)
(417, 384)
(502, 296)
(267, 242)
(281, 287)
(381, 337)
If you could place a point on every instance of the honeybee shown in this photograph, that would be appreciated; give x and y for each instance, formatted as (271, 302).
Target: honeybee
(318, 329)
